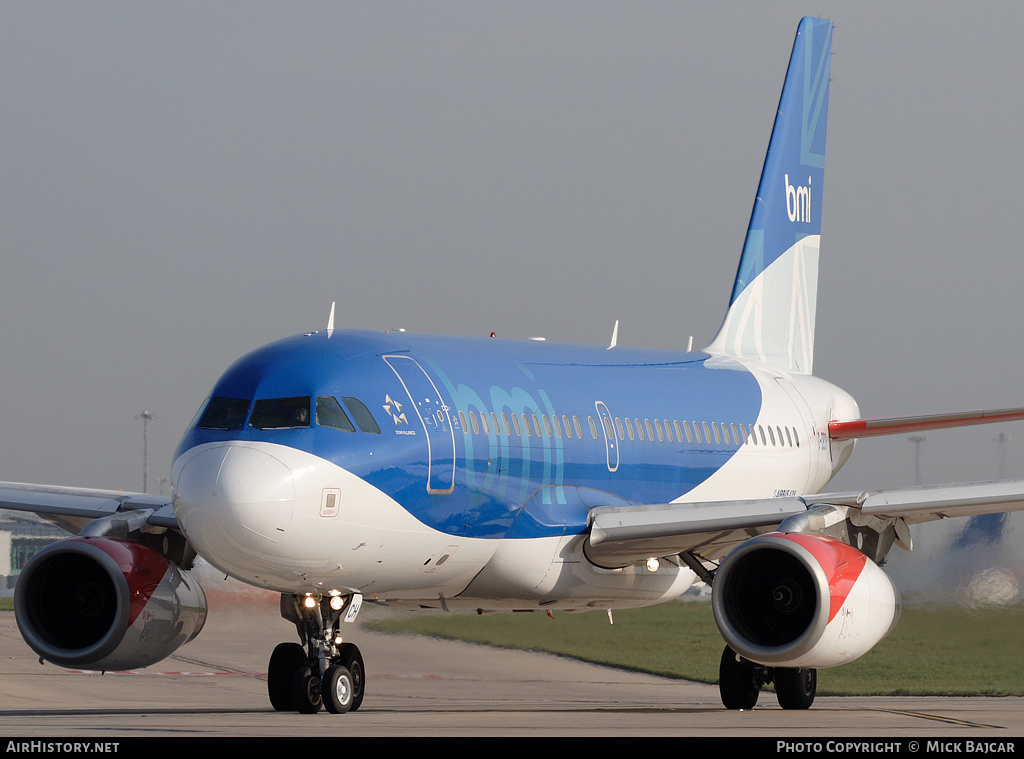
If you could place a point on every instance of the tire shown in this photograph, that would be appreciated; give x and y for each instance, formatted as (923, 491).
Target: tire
(352, 660)
(796, 688)
(306, 693)
(738, 683)
(337, 689)
(284, 663)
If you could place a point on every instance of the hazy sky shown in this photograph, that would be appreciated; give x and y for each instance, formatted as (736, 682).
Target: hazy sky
(184, 181)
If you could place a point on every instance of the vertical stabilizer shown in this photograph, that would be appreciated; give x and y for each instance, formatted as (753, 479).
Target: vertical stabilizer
(771, 314)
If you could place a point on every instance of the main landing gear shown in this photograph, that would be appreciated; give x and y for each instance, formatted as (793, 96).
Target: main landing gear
(328, 672)
(740, 682)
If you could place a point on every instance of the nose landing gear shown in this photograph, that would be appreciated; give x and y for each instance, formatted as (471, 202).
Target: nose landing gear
(325, 670)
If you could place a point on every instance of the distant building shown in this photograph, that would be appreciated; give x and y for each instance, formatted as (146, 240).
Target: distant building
(22, 535)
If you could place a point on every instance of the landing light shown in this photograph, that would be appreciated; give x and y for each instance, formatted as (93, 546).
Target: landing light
(653, 565)
(309, 602)
(337, 602)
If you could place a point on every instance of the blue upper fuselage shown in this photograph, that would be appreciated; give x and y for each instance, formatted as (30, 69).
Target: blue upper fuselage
(466, 431)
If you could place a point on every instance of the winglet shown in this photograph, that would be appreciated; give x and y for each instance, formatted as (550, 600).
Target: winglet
(330, 323)
(615, 335)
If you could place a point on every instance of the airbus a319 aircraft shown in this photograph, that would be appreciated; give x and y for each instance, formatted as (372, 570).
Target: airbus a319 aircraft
(456, 473)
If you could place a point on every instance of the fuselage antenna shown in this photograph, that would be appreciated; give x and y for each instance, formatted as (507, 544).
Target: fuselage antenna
(615, 335)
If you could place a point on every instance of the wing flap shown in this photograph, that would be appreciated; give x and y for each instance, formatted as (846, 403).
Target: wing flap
(943, 501)
(620, 536)
(73, 508)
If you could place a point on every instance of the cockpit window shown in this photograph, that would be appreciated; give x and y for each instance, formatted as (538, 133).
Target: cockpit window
(362, 415)
(224, 414)
(280, 413)
(329, 414)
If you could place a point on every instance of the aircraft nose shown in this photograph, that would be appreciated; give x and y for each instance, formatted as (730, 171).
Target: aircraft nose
(234, 501)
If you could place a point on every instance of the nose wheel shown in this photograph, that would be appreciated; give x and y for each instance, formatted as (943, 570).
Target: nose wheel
(328, 671)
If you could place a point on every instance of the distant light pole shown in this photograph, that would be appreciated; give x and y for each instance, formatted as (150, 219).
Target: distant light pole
(1003, 440)
(917, 440)
(145, 416)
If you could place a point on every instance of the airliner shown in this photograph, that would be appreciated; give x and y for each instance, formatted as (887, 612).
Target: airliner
(339, 467)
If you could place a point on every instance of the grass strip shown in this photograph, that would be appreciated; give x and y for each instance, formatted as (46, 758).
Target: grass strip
(934, 650)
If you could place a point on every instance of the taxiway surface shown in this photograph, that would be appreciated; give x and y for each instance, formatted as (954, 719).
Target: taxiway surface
(216, 686)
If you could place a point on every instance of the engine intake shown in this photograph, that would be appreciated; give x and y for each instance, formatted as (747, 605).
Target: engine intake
(106, 604)
(799, 600)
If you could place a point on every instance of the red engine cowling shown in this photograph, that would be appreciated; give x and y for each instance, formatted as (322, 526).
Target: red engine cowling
(106, 604)
(803, 601)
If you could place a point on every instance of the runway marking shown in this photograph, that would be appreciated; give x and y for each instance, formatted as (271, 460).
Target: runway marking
(938, 718)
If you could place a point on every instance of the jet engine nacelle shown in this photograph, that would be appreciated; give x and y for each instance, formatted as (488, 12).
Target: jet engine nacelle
(802, 601)
(106, 604)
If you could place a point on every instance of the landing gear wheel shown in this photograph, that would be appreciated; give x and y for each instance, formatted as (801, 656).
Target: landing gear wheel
(306, 690)
(796, 687)
(738, 681)
(284, 663)
(352, 660)
(338, 689)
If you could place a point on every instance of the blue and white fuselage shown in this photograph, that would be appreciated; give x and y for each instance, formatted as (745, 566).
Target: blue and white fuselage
(444, 468)
(465, 473)
(473, 479)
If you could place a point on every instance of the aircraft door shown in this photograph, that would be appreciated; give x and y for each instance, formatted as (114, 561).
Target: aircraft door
(608, 427)
(435, 417)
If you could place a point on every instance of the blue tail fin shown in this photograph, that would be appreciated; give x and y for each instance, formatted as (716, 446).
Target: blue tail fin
(771, 314)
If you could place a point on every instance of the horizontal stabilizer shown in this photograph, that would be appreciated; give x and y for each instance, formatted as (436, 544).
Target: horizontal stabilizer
(903, 425)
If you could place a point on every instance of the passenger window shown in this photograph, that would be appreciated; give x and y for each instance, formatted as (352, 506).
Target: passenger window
(639, 430)
(657, 428)
(462, 422)
(224, 414)
(536, 424)
(515, 423)
(547, 425)
(618, 427)
(577, 426)
(668, 431)
(554, 424)
(629, 428)
(593, 427)
(472, 419)
(362, 415)
(494, 424)
(483, 423)
(504, 421)
(280, 413)
(329, 414)
(696, 432)
(567, 426)
(796, 437)
(526, 426)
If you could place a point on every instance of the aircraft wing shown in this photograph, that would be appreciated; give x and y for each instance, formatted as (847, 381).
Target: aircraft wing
(72, 509)
(619, 536)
